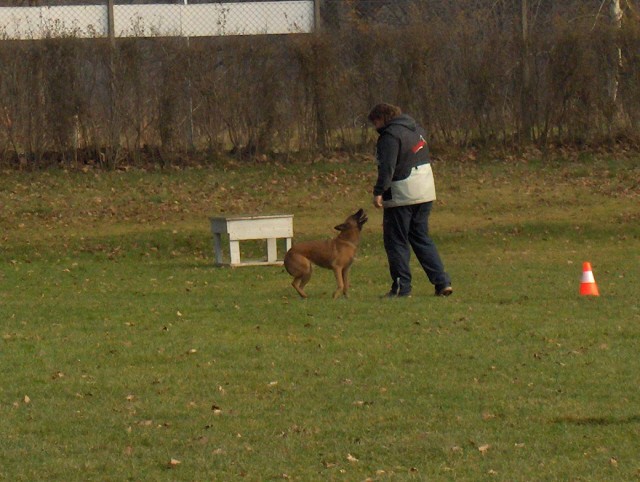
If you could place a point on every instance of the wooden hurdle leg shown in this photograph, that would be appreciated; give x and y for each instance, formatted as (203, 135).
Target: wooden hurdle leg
(234, 251)
(272, 250)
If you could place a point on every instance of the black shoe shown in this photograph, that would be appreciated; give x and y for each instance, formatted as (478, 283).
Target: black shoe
(393, 294)
(446, 291)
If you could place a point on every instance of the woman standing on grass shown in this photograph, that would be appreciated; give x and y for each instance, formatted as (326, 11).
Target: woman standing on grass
(406, 190)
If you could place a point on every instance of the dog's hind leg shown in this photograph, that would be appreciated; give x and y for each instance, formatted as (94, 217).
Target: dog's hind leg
(301, 281)
(300, 268)
(301, 278)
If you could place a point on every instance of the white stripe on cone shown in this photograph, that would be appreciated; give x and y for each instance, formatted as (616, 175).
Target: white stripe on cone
(587, 277)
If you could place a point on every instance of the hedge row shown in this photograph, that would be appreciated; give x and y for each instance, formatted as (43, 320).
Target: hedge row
(163, 100)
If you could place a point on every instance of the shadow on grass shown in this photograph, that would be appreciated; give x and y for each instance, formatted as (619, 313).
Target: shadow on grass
(597, 421)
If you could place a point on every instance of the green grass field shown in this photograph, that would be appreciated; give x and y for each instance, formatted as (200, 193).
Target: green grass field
(126, 355)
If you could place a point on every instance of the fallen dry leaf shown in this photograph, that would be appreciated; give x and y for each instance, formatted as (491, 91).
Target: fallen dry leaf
(351, 458)
(484, 448)
(27, 399)
(174, 463)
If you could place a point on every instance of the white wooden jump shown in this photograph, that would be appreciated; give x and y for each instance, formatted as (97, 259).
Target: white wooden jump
(241, 228)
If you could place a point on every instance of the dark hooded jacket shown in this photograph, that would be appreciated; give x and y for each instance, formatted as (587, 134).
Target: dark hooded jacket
(404, 170)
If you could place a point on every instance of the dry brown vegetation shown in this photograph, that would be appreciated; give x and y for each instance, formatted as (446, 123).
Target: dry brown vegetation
(466, 71)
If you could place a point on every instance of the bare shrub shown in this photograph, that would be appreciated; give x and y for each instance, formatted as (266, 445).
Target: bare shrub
(22, 99)
(254, 96)
(468, 70)
(207, 73)
(630, 79)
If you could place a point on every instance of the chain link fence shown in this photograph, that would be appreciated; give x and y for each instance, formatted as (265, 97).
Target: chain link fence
(143, 18)
(29, 19)
(134, 19)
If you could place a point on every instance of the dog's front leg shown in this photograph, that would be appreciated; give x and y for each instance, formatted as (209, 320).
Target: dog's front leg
(337, 271)
(345, 281)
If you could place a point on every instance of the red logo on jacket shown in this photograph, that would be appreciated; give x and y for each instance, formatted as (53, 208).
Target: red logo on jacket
(419, 145)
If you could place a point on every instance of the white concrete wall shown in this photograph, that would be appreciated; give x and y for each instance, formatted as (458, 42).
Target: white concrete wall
(160, 20)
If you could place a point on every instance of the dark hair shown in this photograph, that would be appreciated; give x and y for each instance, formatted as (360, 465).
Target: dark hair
(386, 112)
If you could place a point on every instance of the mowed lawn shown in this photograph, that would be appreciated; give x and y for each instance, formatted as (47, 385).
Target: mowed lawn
(127, 355)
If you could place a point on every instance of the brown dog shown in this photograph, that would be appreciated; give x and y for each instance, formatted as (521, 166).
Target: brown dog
(336, 254)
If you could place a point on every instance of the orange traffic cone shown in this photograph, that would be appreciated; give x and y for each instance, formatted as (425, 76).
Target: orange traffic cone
(588, 286)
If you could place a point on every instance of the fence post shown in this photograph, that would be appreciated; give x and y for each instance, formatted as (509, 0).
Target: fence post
(113, 140)
(190, 143)
(525, 91)
(111, 29)
(317, 25)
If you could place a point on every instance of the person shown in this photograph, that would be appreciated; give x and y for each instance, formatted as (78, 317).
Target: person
(405, 188)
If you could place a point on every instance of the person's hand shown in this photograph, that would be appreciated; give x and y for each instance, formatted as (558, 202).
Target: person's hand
(377, 201)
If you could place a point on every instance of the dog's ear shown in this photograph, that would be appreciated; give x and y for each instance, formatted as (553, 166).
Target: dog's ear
(341, 227)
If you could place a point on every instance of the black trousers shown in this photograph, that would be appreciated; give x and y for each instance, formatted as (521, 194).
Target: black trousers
(406, 228)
